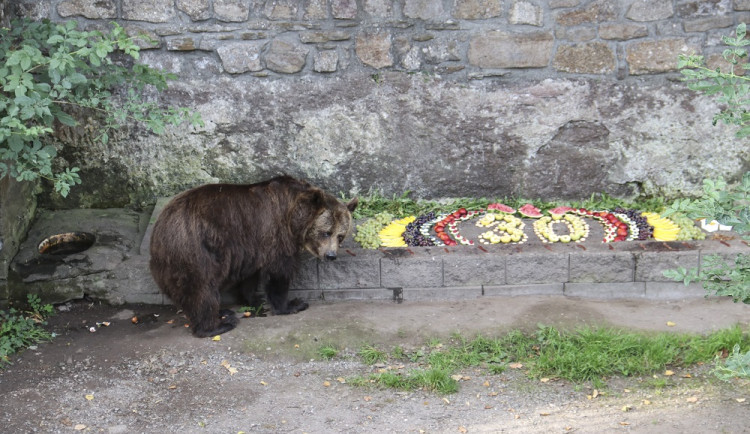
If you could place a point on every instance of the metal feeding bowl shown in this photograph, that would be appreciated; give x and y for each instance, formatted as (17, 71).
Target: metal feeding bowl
(66, 243)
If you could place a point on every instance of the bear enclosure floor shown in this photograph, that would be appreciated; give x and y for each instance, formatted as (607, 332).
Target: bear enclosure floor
(267, 376)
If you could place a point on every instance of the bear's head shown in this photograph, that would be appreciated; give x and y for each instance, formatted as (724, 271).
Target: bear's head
(331, 224)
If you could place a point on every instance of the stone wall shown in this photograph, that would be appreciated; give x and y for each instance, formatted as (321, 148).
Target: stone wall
(17, 208)
(553, 99)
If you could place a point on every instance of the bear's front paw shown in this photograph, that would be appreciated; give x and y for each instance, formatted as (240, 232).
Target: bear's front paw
(296, 305)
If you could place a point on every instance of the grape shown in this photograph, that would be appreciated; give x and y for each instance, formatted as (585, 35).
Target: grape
(645, 230)
(688, 229)
(368, 232)
(413, 233)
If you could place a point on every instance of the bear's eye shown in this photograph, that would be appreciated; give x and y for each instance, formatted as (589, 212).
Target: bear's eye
(341, 239)
(326, 234)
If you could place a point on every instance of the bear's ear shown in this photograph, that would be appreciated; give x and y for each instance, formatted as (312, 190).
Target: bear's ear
(352, 205)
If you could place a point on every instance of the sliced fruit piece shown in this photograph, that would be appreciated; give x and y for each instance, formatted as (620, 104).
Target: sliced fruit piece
(500, 207)
(560, 210)
(530, 211)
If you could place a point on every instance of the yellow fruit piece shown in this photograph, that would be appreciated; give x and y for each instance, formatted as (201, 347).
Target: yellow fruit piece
(392, 234)
(664, 228)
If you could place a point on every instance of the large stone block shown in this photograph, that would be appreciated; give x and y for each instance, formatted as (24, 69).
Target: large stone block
(650, 266)
(477, 9)
(424, 9)
(374, 48)
(536, 268)
(650, 10)
(153, 11)
(350, 272)
(285, 57)
(649, 57)
(709, 23)
(499, 49)
(344, 9)
(233, 11)
(326, 61)
(378, 8)
(474, 269)
(411, 272)
(703, 8)
(239, 57)
(523, 12)
(103, 9)
(590, 58)
(594, 12)
(596, 267)
(197, 10)
(281, 9)
(622, 31)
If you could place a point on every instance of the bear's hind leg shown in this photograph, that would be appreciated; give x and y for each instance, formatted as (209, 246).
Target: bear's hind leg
(277, 292)
(206, 319)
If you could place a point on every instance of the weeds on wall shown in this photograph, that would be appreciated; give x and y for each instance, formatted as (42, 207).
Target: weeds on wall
(728, 204)
(55, 75)
(731, 90)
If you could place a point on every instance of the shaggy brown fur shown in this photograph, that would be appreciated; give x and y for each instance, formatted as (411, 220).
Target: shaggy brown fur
(222, 237)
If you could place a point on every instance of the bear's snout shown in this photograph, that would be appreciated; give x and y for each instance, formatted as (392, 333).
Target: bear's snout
(330, 256)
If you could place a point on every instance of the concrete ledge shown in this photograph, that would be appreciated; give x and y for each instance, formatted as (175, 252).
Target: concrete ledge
(616, 290)
(521, 290)
(623, 270)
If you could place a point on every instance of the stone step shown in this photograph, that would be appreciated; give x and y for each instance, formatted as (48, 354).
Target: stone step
(592, 269)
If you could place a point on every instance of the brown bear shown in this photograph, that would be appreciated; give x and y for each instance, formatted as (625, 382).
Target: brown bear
(221, 237)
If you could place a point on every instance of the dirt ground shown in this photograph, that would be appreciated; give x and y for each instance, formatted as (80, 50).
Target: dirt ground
(266, 375)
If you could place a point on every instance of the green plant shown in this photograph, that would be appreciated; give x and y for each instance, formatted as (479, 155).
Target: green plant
(20, 329)
(729, 205)
(737, 365)
(327, 352)
(371, 355)
(583, 355)
(53, 75)
(730, 89)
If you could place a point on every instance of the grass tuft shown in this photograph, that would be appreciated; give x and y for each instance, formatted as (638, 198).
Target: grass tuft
(582, 355)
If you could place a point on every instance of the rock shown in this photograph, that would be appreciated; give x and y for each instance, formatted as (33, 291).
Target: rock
(285, 57)
(650, 10)
(105, 9)
(589, 58)
(373, 48)
(154, 11)
(509, 50)
(241, 57)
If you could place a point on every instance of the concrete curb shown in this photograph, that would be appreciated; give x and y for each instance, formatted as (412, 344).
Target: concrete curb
(592, 270)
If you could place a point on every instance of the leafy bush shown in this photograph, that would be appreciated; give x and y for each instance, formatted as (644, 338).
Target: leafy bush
(52, 74)
(21, 329)
(728, 205)
(730, 89)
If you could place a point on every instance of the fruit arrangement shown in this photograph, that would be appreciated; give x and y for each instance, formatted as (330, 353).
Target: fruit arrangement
(392, 234)
(449, 223)
(664, 229)
(368, 232)
(417, 233)
(501, 225)
(688, 229)
(577, 229)
(506, 229)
